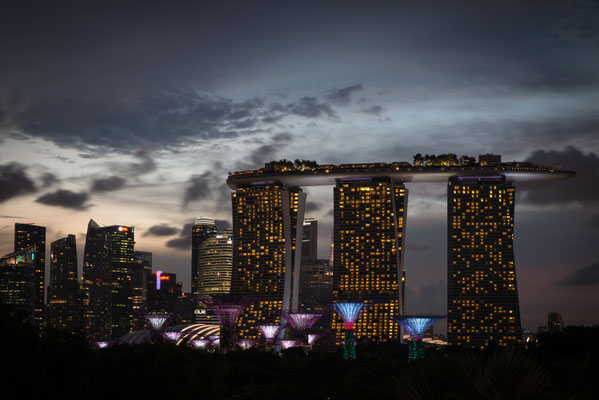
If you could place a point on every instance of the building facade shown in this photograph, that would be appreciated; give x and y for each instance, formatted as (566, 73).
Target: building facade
(202, 229)
(369, 227)
(63, 291)
(27, 235)
(481, 277)
(18, 281)
(265, 235)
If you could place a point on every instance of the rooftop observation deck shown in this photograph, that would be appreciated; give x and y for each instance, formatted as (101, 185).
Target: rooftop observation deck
(401, 172)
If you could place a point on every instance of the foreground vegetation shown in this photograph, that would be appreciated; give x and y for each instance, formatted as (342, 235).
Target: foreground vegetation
(60, 365)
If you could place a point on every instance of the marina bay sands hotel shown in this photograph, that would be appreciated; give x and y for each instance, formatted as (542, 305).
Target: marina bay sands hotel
(370, 211)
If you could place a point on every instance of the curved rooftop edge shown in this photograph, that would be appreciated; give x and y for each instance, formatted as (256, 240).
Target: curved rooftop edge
(328, 175)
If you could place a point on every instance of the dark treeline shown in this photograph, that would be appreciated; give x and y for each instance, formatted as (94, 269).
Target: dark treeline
(61, 365)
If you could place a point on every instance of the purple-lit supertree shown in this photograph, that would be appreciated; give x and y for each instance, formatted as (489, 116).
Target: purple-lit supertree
(172, 337)
(415, 326)
(287, 344)
(101, 344)
(269, 332)
(200, 344)
(349, 312)
(156, 322)
(214, 341)
(246, 344)
(301, 322)
(227, 309)
(313, 337)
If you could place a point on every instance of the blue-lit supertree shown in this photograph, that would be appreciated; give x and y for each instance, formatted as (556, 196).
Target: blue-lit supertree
(349, 312)
(415, 326)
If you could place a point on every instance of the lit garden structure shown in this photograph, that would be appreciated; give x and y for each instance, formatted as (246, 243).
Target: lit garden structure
(313, 337)
(301, 322)
(246, 344)
(349, 312)
(101, 344)
(287, 344)
(172, 337)
(200, 344)
(415, 326)
(227, 309)
(156, 323)
(269, 332)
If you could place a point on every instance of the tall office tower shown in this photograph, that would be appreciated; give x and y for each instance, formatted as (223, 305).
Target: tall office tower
(27, 235)
(108, 265)
(142, 270)
(63, 291)
(97, 283)
(216, 262)
(18, 280)
(481, 277)
(555, 323)
(163, 293)
(202, 229)
(265, 235)
(310, 241)
(369, 235)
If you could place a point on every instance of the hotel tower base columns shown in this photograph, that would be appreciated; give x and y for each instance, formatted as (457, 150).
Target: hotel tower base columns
(369, 232)
(265, 232)
(481, 277)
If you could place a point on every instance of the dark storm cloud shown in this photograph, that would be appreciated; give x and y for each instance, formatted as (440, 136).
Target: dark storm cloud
(582, 188)
(309, 107)
(14, 181)
(161, 230)
(108, 184)
(222, 224)
(198, 188)
(588, 275)
(374, 110)
(183, 242)
(312, 207)
(49, 179)
(65, 199)
(146, 164)
(595, 221)
(342, 97)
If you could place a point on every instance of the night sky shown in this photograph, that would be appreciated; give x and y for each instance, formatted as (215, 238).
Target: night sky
(134, 113)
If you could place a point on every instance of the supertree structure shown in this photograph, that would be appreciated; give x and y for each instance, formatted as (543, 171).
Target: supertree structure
(101, 344)
(313, 337)
(287, 344)
(200, 344)
(415, 326)
(172, 336)
(246, 344)
(214, 341)
(349, 312)
(157, 322)
(269, 332)
(301, 322)
(227, 309)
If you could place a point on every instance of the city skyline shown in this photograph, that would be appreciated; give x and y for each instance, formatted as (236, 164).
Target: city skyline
(89, 131)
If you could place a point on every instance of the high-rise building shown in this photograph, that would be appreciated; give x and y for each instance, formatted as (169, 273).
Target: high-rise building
(265, 235)
(369, 235)
(63, 291)
(215, 257)
(141, 277)
(555, 323)
(163, 293)
(27, 235)
(108, 266)
(202, 229)
(481, 276)
(18, 280)
(310, 241)
(316, 284)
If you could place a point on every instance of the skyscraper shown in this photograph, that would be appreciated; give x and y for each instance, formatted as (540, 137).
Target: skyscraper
(481, 277)
(310, 241)
(216, 262)
(63, 291)
(18, 280)
(202, 229)
(368, 254)
(265, 234)
(163, 293)
(555, 323)
(108, 266)
(141, 277)
(27, 235)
